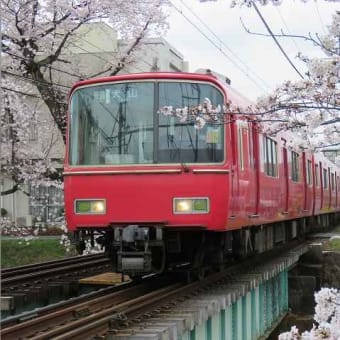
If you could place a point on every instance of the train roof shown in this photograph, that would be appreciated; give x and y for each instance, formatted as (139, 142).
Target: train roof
(232, 95)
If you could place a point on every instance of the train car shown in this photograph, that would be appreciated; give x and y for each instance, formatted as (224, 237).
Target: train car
(159, 173)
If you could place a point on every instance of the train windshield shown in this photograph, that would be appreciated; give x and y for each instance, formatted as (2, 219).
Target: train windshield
(146, 123)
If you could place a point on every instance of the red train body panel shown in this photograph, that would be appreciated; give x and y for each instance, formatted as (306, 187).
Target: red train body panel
(244, 178)
(149, 200)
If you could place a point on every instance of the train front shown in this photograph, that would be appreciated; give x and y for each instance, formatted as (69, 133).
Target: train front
(146, 173)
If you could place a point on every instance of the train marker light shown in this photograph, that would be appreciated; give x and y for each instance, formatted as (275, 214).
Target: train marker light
(199, 205)
(183, 206)
(97, 206)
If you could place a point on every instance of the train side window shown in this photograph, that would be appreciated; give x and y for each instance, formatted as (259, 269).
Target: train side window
(295, 166)
(270, 156)
(332, 181)
(317, 175)
(325, 178)
(309, 172)
(251, 148)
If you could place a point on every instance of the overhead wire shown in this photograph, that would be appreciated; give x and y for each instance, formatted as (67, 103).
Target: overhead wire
(275, 40)
(216, 46)
(225, 45)
(46, 83)
(47, 66)
(194, 25)
(26, 94)
(287, 28)
(99, 48)
(21, 92)
(96, 55)
(319, 16)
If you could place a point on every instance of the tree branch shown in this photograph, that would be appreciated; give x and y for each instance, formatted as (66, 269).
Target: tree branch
(122, 61)
(284, 35)
(14, 189)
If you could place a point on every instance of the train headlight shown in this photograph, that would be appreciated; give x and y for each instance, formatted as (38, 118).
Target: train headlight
(199, 205)
(90, 206)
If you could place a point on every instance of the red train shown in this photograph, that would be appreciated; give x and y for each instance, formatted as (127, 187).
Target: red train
(158, 174)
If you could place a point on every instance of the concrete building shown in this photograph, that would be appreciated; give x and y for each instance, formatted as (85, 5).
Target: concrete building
(91, 53)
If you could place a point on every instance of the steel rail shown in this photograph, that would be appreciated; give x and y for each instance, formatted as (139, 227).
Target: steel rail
(43, 311)
(40, 274)
(14, 271)
(62, 320)
(80, 329)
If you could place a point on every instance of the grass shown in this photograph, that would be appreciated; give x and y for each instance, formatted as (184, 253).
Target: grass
(336, 229)
(18, 252)
(333, 245)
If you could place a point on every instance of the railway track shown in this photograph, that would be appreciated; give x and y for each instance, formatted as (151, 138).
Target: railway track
(13, 278)
(29, 268)
(63, 318)
(33, 286)
(104, 316)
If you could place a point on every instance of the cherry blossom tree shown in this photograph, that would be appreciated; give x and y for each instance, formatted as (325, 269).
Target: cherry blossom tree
(327, 316)
(19, 117)
(35, 35)
(37, 71)
(311, 105)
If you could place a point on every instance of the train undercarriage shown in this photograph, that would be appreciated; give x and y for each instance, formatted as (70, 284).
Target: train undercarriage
(140, 249)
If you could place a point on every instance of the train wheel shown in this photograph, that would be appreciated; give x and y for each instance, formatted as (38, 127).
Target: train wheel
(198, 270)
(158, 258)
(220, 264)
(199, 274)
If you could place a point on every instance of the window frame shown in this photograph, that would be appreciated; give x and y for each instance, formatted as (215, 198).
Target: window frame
(325, 179)
(270, 157)
(317, 175)
(309, 172)
(295, 166)
(73, 147)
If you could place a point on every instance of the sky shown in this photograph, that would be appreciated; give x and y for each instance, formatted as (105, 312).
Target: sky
(254, 63)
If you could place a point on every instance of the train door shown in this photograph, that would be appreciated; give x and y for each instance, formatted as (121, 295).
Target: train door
(246, 206)
(321, 185)
(234, 171)
(254, 166)
(333, 189)
(310, 192)
(304, 174)
(315, 183)
(285, 177)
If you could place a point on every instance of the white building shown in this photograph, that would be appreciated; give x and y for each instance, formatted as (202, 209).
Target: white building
(94, 50)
